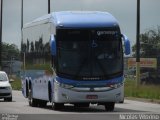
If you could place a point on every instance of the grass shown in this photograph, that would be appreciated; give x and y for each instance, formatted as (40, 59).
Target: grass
(143, 91)
(16, 84)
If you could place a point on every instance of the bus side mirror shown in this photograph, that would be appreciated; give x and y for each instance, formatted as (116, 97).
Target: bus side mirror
(53, 45)
(127, 46)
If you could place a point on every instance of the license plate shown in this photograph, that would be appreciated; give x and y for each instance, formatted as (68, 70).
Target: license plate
(92, 96)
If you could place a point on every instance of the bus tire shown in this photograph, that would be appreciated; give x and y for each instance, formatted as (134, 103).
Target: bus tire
(42, 103)
(122, 100)
(32, 102)
(49, 92)
(109, 106)
(81, 105)
(58, 106)
(27, 89)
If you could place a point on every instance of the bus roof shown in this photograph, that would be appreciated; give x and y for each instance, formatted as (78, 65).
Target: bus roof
(80, 19)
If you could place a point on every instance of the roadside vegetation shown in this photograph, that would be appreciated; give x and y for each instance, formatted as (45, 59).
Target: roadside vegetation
(16, 84)
(150, 48)
(147, 91)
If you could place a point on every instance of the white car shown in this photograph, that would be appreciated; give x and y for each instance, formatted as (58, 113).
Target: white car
(5, 87)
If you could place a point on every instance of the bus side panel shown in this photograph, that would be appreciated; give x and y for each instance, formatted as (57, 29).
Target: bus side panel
(40, 88)
(36, 47)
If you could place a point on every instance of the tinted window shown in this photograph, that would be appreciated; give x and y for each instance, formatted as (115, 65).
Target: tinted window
(89, 53)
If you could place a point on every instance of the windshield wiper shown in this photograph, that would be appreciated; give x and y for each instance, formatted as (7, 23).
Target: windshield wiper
(80, 68)
(100, 66)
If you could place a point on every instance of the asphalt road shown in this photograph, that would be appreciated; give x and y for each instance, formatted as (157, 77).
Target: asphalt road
(20, 107)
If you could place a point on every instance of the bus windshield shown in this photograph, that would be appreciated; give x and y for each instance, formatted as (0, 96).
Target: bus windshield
(89, 53)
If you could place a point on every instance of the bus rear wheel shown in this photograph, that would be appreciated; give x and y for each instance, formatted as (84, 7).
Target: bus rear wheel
(42, 103)
(109, 106)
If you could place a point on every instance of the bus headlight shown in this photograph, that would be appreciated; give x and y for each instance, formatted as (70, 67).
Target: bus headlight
(115, 85)
(66, 86)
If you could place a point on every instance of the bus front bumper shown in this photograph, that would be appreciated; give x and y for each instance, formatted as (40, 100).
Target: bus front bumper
(64, 95)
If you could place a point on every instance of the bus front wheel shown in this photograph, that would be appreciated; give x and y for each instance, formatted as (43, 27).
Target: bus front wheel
(57, 106)
(81, 105)
(42, 103)
(109, 106)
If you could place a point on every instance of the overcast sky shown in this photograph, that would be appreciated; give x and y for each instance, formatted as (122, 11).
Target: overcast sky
(123, 10)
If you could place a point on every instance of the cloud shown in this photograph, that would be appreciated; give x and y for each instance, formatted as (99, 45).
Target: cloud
(34, 9)
(11, 21)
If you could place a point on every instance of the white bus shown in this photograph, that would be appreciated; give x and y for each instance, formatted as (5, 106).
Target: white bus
(74, 57)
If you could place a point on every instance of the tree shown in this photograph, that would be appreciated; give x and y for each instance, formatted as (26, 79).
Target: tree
(150, 43)
(10, 50)
(150, 48)
(27, 45)
(32, 47)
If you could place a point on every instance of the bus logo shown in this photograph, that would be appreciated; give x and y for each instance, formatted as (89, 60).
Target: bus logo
(94, 44)
(99, 33)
